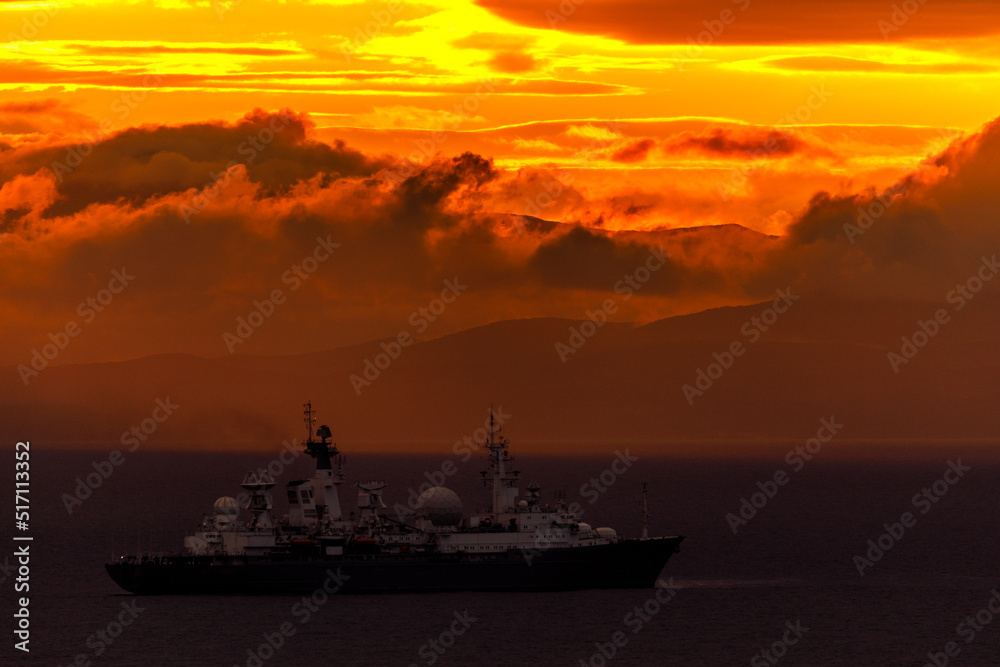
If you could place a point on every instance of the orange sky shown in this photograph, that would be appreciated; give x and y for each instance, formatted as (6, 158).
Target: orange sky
(376, 73)
(637, 115)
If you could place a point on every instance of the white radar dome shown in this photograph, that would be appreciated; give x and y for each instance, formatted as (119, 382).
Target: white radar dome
(441, 505)
(226, 506)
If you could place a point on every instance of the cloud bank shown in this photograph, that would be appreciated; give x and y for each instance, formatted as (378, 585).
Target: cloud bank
(211, 217)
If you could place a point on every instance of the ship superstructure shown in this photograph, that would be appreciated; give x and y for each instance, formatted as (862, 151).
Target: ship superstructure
(518, 543)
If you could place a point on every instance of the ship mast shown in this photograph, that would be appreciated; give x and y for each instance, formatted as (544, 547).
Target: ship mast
(502, 480)
(322, 450)
(645, 515)
(310, 420)
(325, 453)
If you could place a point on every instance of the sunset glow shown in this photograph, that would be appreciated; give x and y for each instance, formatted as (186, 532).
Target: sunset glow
(501, 332)
(535, 153)
(849, 97)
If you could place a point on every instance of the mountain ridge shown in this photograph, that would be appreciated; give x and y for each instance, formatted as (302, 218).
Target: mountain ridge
(625, 382)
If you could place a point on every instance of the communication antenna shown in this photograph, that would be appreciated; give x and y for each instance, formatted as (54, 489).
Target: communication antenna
(310, 420)
(645, 515)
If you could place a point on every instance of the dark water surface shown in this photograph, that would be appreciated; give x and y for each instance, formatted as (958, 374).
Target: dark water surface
(791, 565)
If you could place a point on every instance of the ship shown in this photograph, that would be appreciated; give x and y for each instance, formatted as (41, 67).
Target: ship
(518, 544)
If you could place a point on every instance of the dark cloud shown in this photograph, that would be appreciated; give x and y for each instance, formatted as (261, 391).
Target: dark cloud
(404, 228)
(925, 233)
(138, 163)
(732, 141)
(513, 62)
(842, 64)
(588, 259)
(44, 117)
(754, 22)
(635, 151)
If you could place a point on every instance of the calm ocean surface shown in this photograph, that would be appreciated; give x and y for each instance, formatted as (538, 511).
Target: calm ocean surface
(790, 565)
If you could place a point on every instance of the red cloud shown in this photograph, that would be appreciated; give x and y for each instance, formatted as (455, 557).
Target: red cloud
(730, 141)
(753, 22)
(402, 229)
(634, 151)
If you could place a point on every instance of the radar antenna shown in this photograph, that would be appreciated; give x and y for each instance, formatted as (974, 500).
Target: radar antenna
(310, 420)
(323, 451)
(499, 476)
(645, 515)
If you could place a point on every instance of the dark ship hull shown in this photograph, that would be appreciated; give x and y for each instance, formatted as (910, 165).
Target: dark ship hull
(625, 564)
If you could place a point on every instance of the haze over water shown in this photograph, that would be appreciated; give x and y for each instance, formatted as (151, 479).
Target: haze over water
(792, 562)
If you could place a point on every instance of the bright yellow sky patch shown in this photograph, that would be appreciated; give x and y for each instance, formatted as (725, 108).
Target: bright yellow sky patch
(379, 73)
